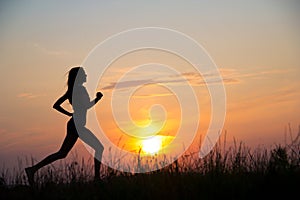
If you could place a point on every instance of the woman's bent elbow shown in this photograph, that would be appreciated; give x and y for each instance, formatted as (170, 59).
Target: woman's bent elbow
(55, 106)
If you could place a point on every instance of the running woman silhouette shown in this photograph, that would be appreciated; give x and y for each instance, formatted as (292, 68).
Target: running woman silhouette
(80, 102)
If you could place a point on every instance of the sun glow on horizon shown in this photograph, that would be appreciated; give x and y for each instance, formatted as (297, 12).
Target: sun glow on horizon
(152, 145)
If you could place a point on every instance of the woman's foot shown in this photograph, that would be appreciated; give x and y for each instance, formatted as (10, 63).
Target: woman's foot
(30, 175)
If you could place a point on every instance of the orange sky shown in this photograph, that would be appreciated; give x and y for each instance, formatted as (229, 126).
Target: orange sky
(255, 45)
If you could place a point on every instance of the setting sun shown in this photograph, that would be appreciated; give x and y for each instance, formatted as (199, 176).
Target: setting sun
(152, 145)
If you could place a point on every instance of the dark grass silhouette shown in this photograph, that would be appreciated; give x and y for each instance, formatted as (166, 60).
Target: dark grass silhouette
(236, 172)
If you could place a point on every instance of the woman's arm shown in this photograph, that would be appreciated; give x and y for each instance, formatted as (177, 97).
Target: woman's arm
(99, 95)
(57, 105)
(81, 100)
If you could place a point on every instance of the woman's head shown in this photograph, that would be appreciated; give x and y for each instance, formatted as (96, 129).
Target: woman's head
(78, 74)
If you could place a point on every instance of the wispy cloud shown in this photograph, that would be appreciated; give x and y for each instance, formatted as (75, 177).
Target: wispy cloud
(253, 74)
(127, 84)
(228, 76)
(280, 96)
(192, 78)
(153, 95)
(211, 78)
(26, 95)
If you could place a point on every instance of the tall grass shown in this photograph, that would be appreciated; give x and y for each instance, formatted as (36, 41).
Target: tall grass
(223, 171)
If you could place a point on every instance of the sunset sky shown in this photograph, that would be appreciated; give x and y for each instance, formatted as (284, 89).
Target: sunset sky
(255, 44)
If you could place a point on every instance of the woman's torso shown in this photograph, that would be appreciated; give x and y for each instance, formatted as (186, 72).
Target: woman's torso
(80, 104)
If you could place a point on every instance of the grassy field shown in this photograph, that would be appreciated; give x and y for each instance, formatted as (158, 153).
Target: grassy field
(237, 172)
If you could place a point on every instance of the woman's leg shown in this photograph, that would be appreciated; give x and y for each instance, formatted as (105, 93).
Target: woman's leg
(67, 145)
(90, 139)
